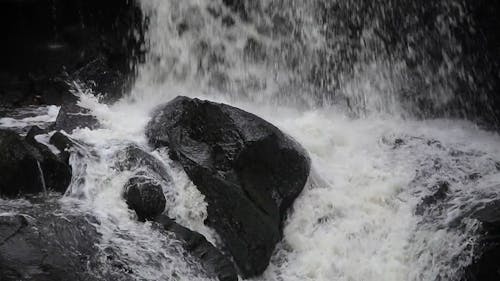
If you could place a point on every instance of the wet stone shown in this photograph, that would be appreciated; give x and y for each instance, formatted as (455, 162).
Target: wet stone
(248, 170)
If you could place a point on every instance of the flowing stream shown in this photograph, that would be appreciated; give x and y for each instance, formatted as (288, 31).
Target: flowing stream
(373, 160)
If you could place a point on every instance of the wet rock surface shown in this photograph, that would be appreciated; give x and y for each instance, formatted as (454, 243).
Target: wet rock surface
(216, 264)
(29, 168)
(143, 192)
(33, 132)
(453, 198)
(47, 248)
(145, 196)
(485, 266)
(72, 116)
(135, 158)
(248, 170)
(64, 144)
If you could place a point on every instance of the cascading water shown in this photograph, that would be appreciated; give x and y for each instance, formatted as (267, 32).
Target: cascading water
(340, 87)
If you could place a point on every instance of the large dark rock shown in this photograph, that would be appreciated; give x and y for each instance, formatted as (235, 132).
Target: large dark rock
(485, 266)
(54, 248)
(248, 170)
(216, 264)
(145, 196)
(72, 116)
(29, 168)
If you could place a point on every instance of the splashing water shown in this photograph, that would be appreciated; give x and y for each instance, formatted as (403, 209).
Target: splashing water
(308, 67)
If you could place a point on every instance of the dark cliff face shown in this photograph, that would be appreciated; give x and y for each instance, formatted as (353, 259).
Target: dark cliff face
(48, 42)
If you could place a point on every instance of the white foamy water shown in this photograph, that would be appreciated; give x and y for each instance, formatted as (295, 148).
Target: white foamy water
(355, 219)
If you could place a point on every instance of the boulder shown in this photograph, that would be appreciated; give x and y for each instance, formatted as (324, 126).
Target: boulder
(145, 196)
(72, 116)
(485, 266)
(49, 249)
(143, 192)
(215, 264)
(248, 170)
(29, 168)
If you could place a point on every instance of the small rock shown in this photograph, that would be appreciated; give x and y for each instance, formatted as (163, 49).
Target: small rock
(145, 197)
(65, 145)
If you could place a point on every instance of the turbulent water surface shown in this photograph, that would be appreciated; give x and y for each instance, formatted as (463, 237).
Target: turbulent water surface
(358, 218)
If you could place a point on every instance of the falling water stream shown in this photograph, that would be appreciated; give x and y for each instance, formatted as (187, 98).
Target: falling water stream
(372, 160)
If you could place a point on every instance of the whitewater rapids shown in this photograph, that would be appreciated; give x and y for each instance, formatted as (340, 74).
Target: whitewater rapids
(355, 220)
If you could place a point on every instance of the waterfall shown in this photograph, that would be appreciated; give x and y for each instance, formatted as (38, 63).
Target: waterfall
(369, 57)
(377, 91)
(308, 75)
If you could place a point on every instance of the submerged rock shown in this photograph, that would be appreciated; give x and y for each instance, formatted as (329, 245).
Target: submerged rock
(135, 158)
(29, 168)
(72, 116)
(442, 188)
(216, 264)
(143, 191)
(145, 196)
(485, 265)
(248, 170)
